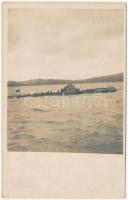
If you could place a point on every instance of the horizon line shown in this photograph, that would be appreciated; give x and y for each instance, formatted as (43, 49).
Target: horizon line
(65, 78)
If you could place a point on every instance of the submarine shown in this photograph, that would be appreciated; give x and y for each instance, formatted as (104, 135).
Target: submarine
(69, 89)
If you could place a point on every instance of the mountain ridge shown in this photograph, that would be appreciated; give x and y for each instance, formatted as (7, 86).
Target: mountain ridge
(108, 78)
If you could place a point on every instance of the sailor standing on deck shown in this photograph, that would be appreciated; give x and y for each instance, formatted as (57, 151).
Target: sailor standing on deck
(17, 92)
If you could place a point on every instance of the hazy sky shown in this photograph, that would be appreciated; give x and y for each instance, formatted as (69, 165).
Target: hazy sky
(65, 44)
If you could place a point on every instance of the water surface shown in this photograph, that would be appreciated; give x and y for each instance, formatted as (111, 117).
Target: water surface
(89, 123)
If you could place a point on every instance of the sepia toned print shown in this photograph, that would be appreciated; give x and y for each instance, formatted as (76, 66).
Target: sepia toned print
(65, 80)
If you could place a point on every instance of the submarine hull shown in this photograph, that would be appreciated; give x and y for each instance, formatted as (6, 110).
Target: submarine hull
(86, 91)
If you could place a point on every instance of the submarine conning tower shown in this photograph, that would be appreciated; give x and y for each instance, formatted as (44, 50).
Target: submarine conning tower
(70, 89)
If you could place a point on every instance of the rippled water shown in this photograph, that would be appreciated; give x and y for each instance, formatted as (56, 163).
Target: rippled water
(91, 123)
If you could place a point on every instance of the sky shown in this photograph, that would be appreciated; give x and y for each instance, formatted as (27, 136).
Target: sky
(65, 43)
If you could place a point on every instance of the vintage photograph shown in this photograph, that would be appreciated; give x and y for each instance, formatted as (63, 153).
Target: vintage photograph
(65, 80)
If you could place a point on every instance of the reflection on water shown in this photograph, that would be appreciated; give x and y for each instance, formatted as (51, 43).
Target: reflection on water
(90, 123)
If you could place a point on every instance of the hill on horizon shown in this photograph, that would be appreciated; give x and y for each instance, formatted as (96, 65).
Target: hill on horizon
(108, 78)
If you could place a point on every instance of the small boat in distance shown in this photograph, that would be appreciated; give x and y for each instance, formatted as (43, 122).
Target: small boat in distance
(69, 89)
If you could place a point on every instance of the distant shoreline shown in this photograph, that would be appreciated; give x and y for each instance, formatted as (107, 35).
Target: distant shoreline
(109, 78)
